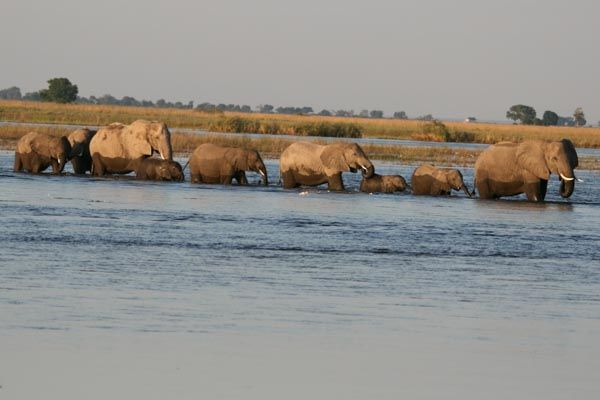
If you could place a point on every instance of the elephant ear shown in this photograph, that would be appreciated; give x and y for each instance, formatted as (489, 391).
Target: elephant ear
(571, 153)
(135, 141)
(530, 156)
(41, 145)
(332, 157)
(238, 158)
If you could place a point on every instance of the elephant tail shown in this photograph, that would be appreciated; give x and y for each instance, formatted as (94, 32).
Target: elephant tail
(474, 187)
(185, 166)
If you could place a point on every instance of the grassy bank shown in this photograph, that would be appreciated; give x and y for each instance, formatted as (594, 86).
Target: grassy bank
(21, 111)
(184, 143)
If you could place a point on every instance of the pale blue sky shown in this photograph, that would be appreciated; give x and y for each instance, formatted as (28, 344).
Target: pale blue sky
(449, 58)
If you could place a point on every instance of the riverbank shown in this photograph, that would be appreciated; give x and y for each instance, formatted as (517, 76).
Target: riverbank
(296, 125)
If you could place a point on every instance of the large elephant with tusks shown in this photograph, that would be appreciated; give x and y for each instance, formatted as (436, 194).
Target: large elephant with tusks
(115, 146)
(311, 164)
(508, 169)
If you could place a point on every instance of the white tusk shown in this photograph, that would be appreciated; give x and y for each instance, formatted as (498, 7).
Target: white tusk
(363, 167)
(262, 173)
(565, 178)
(579, 180)
(59, 160)
(163, 157)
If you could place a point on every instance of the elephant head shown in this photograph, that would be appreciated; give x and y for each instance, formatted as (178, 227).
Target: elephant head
(149, 137)
(543, 158)
(159, 138)
(249, 160)
(347, 157)
(455, 180)
(58, 149)
(175, 172)
(398, 182)
(80, 143)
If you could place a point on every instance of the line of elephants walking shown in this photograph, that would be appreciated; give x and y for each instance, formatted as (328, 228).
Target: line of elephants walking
(503, 169)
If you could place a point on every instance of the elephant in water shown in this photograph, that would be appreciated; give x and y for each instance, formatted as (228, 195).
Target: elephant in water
(115, 146)
(150, 168)
(210, 163)
(82, 137)
(383, 184)
(433, 181)
(508, 169)
(37, 151)
(311, 164)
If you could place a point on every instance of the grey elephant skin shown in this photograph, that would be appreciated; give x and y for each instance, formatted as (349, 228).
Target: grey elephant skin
(37, 151)
(433, 181)
(213, 164)
(155, 169)
(115, 146)
(508, 169)
(310, 164)
(383, 184)
(81, 137)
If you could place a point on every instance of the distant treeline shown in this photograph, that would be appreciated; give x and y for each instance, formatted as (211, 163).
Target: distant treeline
(14, 93)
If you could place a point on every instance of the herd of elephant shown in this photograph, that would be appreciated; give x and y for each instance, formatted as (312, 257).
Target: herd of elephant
(503, 169)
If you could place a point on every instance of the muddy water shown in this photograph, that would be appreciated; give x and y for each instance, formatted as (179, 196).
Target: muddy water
(335, 295)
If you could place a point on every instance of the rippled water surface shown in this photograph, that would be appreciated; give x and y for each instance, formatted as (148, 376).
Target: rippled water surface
(85, 256)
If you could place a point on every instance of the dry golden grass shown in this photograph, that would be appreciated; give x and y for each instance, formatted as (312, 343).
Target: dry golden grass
(269, 147)
(22, 111)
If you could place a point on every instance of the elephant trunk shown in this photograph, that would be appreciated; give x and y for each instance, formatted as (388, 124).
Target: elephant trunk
(368, 170)
(466, 190)
(567, 182)
(566, 187)
(263, 172)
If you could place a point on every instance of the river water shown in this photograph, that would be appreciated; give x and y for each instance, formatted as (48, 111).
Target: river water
(114, 288)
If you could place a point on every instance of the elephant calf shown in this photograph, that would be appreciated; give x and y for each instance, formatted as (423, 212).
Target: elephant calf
(37, 151)
(155, 169)
(383, 184)
(210, 163)
(429, 180)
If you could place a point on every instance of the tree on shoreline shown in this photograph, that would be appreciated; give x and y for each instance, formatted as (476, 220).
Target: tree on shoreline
(520, 112)
(60, 90)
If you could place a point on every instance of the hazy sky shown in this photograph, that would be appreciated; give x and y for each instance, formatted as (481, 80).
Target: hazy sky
(449, 58)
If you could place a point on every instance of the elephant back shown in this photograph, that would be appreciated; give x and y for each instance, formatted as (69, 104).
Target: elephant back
(303, 157)
(107, 141)
(24, 144)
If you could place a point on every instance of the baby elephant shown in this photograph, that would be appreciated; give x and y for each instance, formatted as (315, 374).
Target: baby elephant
(383, 184)
(429, 180)
(155, 169)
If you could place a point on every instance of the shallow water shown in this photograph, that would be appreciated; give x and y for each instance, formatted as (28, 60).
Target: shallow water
(87, 258)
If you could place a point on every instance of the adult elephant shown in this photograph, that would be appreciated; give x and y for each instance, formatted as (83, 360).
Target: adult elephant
(310, 164)
(115, 146)
(508, 169)
(210, 163)
(37, 151)
(81, 138)
(433, 181)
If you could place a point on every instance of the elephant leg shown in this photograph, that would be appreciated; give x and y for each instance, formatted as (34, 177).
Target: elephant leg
(97, 166)
(77, 164)
(35, 164)
(55, 167)
(195, 178)
(335, 182)
(226, 179)
(543, 189)
(241, 178)
(18, 163)
(289, 182)
(533, 191)
(484, 190)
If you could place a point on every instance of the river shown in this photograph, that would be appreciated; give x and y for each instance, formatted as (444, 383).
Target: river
(116, 288)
